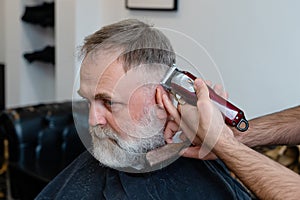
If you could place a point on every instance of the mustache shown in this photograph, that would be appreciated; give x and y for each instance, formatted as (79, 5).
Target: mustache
(102, 132)
(135, 145)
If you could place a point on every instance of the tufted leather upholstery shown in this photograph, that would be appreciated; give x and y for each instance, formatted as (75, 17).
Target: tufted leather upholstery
(42, 141)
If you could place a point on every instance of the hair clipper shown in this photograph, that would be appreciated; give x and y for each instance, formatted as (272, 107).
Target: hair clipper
(181, 85)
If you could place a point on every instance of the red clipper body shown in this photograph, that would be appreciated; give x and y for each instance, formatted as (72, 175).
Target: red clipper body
(181, 84)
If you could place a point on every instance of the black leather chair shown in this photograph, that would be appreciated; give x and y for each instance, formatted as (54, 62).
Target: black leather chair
(42, 141)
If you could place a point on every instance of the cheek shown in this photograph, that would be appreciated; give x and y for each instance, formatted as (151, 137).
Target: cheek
(136, 106)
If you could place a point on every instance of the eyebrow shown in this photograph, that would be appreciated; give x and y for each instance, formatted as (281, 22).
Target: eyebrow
(97, 96)
(100, 96)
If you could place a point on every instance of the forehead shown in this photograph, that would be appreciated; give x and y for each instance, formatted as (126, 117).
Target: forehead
(105, 74)
(94, 65)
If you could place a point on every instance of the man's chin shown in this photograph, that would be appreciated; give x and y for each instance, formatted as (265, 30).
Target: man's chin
(108, 153)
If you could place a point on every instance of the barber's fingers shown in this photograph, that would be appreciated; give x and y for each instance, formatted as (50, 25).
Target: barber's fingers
(172, 124)
(171, 109)
(188, 125)
(201, 89)
(194, 152)
(206, 109)
(189, 122)
(209, 83)
(189, 129)
(218, 88)
(171, 129)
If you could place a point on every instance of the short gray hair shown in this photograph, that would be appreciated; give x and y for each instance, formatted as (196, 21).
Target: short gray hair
(142, 44)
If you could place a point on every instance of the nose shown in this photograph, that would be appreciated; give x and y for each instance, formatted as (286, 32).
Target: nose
(97, 115)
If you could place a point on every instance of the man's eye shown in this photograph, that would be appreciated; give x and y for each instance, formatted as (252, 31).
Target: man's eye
(111, 105)
(108, 104)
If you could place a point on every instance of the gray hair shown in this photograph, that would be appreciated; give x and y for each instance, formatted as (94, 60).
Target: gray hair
(140, 42)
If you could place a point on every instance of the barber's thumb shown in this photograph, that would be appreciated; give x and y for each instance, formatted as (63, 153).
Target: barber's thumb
(201, 89)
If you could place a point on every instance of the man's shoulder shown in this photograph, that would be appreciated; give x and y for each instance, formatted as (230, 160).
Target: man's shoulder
(183, 179)
(83, 162)
(84, 159)
(80, 176)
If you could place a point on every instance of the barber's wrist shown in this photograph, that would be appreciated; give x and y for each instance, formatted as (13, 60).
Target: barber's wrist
(244, 137)
(226, 136)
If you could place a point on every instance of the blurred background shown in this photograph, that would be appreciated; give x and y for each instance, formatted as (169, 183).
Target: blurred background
(255, 45)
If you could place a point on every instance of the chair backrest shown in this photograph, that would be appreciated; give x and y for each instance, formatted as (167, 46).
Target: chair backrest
(42, 138)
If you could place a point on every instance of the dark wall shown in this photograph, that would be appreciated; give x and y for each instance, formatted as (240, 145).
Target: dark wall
(2, 93)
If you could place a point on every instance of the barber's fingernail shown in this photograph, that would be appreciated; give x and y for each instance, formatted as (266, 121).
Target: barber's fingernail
(198, 82)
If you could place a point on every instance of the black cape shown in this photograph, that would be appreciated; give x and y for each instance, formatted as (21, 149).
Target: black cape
(184, 179)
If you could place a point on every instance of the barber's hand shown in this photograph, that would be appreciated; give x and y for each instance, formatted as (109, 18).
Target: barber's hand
(212, 127)
(187, 117)
(188, 131)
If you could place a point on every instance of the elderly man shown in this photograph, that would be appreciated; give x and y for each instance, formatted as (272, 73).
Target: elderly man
(122, 66)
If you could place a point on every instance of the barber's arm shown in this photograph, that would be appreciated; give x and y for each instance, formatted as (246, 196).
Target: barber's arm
(278, 128)
(264, 177)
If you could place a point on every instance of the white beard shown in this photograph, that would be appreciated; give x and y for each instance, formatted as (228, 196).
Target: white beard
(115, 152)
